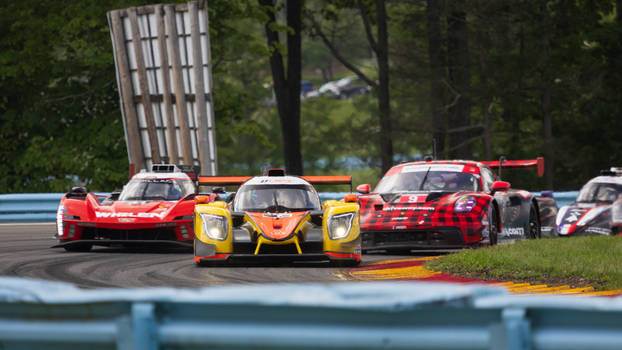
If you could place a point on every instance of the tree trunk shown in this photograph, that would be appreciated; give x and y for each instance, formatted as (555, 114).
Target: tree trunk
(547, 125)
(486, 101)
(459, 77)
(287, 89)
(382, 52)
(433, 13)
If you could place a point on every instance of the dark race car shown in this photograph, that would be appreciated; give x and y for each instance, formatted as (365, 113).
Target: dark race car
(154, 207)
(597, 210)
(450, 204)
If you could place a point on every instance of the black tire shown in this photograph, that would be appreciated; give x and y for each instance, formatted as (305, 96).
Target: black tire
(402, 251)
(345, 263)
(493, 226)
(80, 248)
(534, 230)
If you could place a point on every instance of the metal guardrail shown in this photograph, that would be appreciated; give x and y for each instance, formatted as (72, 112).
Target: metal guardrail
(391, 315)
(29, 207)
(41, 207)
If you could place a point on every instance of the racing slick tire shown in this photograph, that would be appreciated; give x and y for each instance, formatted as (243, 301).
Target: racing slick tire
(493, 226)
(399, 251)
(533, 225)
(345, 263)
(79, 248)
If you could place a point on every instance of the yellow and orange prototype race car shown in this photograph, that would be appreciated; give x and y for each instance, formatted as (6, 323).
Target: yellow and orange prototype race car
(276, 218)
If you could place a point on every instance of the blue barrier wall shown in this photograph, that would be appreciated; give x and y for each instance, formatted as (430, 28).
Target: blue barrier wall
(388, 315)
(41, 207)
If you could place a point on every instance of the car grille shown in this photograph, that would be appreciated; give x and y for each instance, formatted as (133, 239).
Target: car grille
(160, 234)
(414, 238)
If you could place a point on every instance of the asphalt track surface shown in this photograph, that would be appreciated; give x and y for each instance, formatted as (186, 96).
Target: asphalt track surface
(25, 252)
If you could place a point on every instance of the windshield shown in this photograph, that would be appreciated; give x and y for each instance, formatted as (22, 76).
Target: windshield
(600, 192)
(156, 189)
(276, 198)
(431, 180)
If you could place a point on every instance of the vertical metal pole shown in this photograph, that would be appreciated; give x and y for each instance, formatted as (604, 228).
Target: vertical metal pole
(173, 153)
(199, 87)
(178, 79)
(134, 145)
(210, 116)
(143, 83)
(145, 326)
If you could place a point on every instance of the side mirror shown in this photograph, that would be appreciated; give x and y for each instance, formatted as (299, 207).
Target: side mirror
(200, 199)
(218, 190)
(351, 198)
(548, 194)
(78, 190)
(114, 195)
(363, 189)
(237, 218)
(316, 217)
(499, 186)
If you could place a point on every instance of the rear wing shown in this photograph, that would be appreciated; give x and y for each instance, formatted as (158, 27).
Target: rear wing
(511, 164)
(328, 179)
(238, 180)
(223, 180)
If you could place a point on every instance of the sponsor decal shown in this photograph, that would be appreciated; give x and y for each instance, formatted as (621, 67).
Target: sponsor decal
(563, 230)
(276, 215)
(524, 194)
(513, 231)
(166, 181)
(127, 219)
(599, 230)
(400, 218)
(413, 198)
(573, 216)
(275, 181)
(101, 214)
(401, 227)
(435, 167)
(408, 208)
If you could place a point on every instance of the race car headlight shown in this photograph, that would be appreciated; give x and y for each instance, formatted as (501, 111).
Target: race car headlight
(560, 215)
(59, 219)
(339, 225)
(464, 204)
(215, 226)
(591, 215)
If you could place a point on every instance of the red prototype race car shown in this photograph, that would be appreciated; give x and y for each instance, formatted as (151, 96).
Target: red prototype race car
(450, 204)
(154, 207)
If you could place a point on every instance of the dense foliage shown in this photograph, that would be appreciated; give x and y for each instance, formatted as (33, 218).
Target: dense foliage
(524, 67)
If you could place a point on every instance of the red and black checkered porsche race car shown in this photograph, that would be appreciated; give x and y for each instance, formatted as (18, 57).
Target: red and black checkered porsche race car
(448, 205)
(154, 207)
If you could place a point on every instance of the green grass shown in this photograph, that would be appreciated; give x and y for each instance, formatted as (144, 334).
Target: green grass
(577, 261)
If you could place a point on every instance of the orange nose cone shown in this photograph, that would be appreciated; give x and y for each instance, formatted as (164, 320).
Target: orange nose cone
(277, 226)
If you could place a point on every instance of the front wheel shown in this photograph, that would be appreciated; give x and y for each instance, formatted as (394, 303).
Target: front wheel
(493, 225)
(533, 230)
(345, 263)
